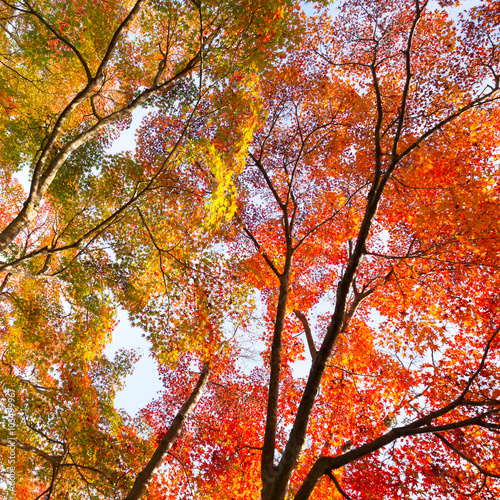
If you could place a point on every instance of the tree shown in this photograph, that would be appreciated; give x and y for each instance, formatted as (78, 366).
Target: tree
(72, 73)
(351, 189)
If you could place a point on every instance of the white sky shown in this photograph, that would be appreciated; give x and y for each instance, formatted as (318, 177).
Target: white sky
(143, 384)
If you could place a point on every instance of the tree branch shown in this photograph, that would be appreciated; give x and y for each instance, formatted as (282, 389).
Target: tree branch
(307, 329)
(53, 459)
(144, 477)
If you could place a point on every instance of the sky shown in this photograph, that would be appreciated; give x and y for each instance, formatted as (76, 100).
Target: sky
(143, 384)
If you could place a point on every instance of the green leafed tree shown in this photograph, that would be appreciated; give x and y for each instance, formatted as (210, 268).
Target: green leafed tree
(306, 232)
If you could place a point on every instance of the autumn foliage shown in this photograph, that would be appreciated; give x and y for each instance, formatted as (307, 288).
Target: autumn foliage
(306, 230)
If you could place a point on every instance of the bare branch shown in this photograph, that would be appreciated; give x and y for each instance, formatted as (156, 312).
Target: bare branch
(307, 329)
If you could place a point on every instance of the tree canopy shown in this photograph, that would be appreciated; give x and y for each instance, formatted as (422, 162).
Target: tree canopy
(306, 231)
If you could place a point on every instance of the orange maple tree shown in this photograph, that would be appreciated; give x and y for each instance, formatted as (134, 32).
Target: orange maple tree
(310, 243)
